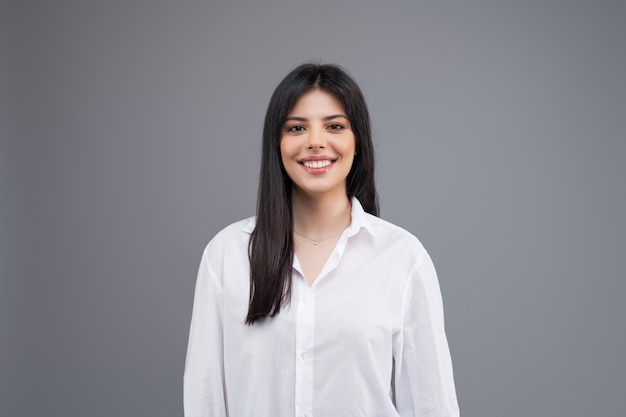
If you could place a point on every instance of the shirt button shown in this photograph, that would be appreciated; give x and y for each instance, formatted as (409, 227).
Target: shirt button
(303, 300)
(304, 355)
(303, 415)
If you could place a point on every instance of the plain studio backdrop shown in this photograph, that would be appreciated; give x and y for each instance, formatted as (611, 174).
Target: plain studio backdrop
(131, 134)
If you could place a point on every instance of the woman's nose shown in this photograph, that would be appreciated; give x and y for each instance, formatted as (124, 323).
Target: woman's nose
(317, 138)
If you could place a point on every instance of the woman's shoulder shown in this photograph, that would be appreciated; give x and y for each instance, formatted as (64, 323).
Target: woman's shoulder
(235, 234)
(389, 235)
(244, 226)
(391, 230)
(383, 234)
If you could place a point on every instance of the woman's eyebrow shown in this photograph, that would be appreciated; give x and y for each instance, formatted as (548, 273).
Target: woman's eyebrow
(296, 118)
(304, 119)
(335, 116)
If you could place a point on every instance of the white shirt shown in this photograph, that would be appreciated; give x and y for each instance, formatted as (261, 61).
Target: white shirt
(366, 339)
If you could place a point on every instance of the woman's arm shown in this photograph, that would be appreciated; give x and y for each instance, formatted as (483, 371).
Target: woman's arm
(204, 394)
(424, 382)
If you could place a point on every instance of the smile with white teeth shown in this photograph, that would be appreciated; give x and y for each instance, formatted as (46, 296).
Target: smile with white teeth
(316, 164)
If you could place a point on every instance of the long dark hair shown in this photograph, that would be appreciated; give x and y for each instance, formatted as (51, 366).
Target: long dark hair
(271, 242)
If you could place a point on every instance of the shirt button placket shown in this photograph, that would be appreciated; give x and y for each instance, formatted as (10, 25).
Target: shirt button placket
(305, 327)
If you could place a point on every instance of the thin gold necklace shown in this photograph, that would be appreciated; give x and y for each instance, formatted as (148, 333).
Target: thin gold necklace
(315, 242)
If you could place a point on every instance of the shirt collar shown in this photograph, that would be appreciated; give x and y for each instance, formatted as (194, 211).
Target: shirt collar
(248, 225)
(360, 220)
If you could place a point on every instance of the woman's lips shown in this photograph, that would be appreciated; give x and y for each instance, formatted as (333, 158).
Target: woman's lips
(317, 166)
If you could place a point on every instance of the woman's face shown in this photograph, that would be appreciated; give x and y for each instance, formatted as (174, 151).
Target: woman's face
(317, 145)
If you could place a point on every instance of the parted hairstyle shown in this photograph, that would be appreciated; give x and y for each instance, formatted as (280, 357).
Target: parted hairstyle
(271, 247)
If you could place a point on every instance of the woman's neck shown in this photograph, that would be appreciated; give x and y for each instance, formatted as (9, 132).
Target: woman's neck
(318, 217)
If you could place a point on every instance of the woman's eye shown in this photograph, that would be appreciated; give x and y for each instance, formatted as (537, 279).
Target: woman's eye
(295, 129)
(335, 126)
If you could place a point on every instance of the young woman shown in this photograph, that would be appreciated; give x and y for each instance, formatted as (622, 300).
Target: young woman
(316, 307)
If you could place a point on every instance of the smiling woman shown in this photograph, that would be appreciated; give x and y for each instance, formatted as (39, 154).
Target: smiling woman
(315, 306)
(317, 146)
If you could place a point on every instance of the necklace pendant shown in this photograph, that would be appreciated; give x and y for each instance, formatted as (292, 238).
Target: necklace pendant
(315, 242)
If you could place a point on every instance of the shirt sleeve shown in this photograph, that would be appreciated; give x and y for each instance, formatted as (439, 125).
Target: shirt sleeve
(203, 392)
(423, 378)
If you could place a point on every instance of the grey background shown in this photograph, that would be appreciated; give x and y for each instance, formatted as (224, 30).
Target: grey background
(131, 134)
